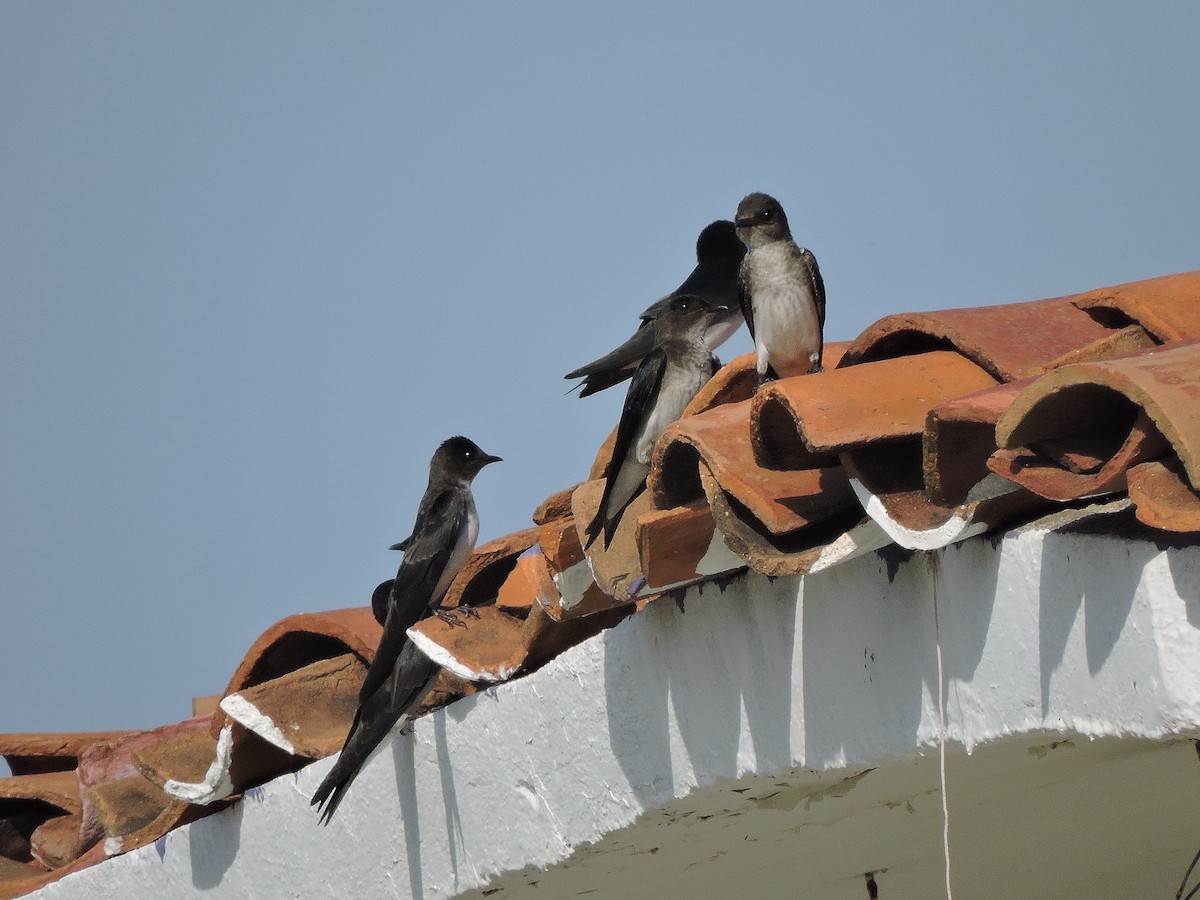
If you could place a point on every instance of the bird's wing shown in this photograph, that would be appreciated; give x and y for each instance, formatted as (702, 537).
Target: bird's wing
(744, 298)
(619, 363)
(638, 400)
(816, 282)
(439, 525)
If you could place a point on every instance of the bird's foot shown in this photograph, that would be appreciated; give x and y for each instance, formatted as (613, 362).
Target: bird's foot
(450, 616)
(763, 379)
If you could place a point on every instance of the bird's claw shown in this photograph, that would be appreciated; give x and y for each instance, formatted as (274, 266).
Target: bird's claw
(450, 616)
(763, 379)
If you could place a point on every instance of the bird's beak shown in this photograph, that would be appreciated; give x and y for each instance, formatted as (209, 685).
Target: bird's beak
(489, 459)
(743, 223)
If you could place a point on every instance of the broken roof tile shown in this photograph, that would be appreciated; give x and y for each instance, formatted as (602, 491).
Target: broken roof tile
(681, 546)
(571, 573)
(1163, 498)
(793, 553)
(1075, 431)
(57, 841)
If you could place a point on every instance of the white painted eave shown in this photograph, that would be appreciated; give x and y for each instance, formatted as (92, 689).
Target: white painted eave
(1084, 636)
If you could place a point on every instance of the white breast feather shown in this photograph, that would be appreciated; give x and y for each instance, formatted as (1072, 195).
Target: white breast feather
(787, 332)
(462, 549)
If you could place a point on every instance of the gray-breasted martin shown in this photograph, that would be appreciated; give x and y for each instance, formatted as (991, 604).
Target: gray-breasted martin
(442, 539)
(719, 252)
(666, 380)
(782, 294)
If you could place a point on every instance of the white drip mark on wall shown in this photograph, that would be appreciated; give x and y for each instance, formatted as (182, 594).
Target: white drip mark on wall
(934, 568)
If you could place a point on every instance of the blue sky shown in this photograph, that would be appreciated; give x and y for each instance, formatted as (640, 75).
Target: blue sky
(256, 261)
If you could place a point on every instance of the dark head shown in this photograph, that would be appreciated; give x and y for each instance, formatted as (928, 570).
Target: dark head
(761, 220)
(460, 459)
(719, 241)
(686, 316)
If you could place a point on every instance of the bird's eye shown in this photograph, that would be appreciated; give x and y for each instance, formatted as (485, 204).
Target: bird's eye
(765, 215)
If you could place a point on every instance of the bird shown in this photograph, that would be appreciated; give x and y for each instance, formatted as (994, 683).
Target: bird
(781, 291)
(666, 380)
(443, 537)
(719, 253)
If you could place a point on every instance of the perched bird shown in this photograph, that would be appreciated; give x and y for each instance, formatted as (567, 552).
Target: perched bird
(442, 539)
(719, 252)
(666, 380)
(782, 294)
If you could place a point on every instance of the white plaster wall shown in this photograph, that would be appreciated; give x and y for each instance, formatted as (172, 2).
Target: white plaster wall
(1066, 632)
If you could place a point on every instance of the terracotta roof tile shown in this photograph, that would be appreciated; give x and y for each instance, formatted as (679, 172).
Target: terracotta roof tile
(682, 545)
(556, 506)
(306, 712)
(781, 500)
(496, 646)
(484, 571)
(575, 592)
(295, 641)
(27, 754)
(40, 816)
(616, 569)
(1167, 307)
(841, 409)
(133, 813)
(1163, 498)
(1075, 431)
(1009, 341)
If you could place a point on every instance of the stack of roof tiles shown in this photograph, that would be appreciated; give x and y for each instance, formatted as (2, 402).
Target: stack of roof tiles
(928, 429)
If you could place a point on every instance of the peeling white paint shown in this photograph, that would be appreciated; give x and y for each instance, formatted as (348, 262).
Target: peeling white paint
(956, 528)
(248, 715)
(573, 583)
(718, 558)
(113, 845)
(447, 660)
(1078, 635)
(217, 784)
(864, 537)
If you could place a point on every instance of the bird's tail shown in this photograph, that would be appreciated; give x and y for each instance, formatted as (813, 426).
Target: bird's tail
(403, 691)
(355, 753)
(329, 795)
